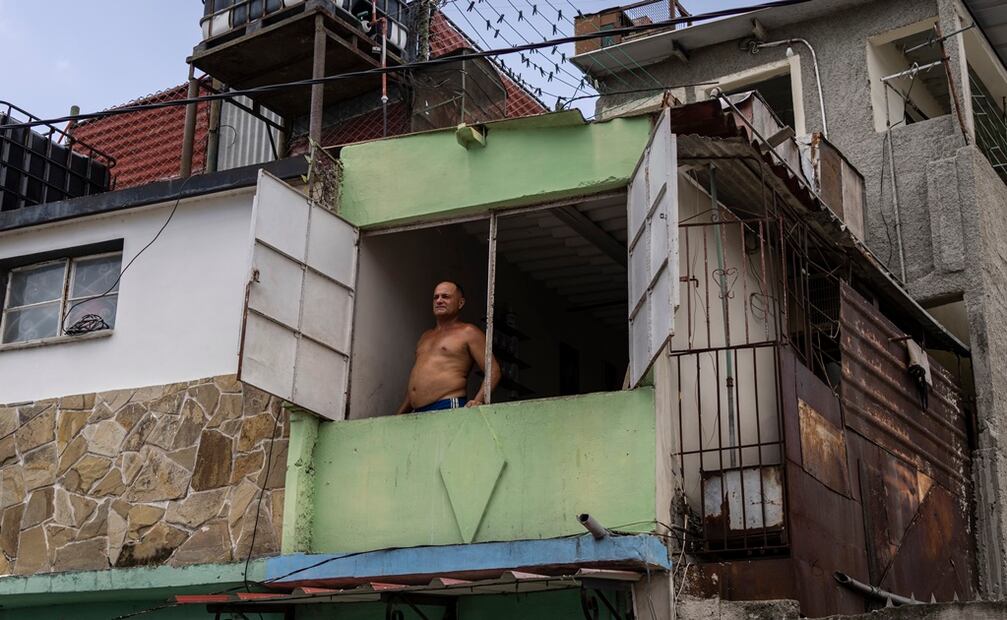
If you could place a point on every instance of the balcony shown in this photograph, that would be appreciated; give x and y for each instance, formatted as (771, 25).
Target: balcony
(506, 472)
(250, 43)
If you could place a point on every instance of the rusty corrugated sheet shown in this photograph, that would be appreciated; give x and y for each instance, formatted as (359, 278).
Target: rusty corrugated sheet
(882, 404)
(912, 462)
(823, 449)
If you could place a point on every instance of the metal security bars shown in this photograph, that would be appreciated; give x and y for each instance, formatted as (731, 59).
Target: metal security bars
(990, 125)
(46, 166)
(757, 296)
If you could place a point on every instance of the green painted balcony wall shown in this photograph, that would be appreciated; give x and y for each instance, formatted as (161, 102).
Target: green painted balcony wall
(524, 162)
(510, 471)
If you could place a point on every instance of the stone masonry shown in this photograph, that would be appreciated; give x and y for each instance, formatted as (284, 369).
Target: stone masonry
(157, 475)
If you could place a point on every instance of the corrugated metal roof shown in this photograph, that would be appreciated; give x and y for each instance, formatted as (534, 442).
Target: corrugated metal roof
(509, 582)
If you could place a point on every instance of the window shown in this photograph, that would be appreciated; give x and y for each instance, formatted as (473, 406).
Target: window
(43, 299)
(778, 82)
(916, 88)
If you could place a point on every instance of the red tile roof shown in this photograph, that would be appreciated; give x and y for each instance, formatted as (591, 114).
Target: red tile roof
(148, 145)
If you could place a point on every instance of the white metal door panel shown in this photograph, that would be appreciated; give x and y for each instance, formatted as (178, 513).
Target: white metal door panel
(327, 312)
(277, 279)
(652, 217)
(298, 318)
(268, 355)
(277, 223)
(327, 240)
(318, 369)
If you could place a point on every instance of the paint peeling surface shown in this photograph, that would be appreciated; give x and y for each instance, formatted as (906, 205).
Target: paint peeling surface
(912, 461)
(748, 499)
(510, 471)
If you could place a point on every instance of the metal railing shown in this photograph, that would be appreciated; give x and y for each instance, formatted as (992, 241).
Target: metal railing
(223, 16)
(48, 165)
(654, 11)
(990, 125)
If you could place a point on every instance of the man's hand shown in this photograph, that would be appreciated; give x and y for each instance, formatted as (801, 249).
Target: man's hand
(475, 402)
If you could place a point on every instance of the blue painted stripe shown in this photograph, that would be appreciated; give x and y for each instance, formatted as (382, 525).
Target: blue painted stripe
(643, 550)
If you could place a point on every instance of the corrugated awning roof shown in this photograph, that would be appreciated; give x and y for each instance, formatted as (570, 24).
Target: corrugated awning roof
(710, 131)
(442, 588)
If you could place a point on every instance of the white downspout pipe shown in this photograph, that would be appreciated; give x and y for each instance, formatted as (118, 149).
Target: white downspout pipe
(755, 47)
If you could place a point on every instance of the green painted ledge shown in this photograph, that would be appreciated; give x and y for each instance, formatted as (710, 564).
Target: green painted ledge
(124, 584)
(524, 162)
(512, 471)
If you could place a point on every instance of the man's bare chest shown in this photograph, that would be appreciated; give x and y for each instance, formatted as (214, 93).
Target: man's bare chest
(447, 345)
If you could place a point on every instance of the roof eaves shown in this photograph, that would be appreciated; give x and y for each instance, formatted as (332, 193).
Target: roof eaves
(151, 193)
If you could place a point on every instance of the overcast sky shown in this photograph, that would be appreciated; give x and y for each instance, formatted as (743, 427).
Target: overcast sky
(100, 53)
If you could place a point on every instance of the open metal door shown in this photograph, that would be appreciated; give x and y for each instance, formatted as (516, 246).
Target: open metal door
(298, 316)
(653, 249)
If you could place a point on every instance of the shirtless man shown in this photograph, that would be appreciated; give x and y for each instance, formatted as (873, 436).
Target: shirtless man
(444, 358)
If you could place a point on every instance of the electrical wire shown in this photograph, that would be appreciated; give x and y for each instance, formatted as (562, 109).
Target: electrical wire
(174, 208)
(406, 66)
(262, 491)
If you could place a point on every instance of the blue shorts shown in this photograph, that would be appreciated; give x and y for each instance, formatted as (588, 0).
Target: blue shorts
(456, 402)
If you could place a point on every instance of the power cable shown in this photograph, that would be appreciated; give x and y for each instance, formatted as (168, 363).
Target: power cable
(78, 326)
(262, 491)
(500, 18)
(502, 67)
(406, 66)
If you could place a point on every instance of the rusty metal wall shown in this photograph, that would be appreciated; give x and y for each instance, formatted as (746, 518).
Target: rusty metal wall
(876, 484)
(911, 462)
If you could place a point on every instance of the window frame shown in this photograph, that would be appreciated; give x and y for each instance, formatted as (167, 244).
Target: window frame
(790, 65)
(69, 263)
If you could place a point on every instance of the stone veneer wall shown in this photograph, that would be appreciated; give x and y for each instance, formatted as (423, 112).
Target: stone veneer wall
(157, 475)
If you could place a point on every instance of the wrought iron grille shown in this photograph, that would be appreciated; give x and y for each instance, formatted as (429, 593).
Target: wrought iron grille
(991, 126)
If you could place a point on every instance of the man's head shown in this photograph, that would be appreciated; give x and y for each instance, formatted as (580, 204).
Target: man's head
(449, 299)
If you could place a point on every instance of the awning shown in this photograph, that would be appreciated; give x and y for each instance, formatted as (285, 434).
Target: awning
(441, 591)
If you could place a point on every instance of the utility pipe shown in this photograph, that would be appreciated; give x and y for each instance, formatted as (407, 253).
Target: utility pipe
(895, 203)
(719, 226)
(591, 524)
(873, 591)
(814, 61)
(912, 70)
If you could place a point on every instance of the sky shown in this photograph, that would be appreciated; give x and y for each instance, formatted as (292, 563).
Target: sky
(101, 53)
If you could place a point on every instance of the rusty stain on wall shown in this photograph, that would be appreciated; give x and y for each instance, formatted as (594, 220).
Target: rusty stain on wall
(823, 449)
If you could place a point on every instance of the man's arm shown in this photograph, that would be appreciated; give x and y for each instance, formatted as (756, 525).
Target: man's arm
(477, 349)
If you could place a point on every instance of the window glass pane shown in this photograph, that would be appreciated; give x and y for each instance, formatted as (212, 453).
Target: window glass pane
(94, 276)
(31, 323)
(35, 285)
(102, 306)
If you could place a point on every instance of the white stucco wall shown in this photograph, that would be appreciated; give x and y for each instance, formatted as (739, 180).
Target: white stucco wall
(179, 308)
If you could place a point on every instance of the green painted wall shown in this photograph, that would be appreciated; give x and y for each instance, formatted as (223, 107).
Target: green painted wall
(533, 465)
(524, 162)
